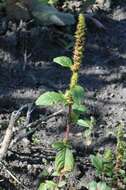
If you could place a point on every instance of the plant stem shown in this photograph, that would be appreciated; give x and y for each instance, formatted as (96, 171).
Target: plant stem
(68, 122)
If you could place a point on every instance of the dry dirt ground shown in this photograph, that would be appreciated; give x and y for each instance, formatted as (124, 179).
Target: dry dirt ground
(103, 75)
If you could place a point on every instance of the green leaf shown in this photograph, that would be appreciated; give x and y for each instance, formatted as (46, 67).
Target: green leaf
(69, 160)
(97, 162)
(64, 161)
(48, 185)
(98, 186)
(78, 108)
(63, 61)
(85, 123)
(103, 186)
(92, 185)
(78, 94)
(58, 145)
(42, 186)
(50, 98)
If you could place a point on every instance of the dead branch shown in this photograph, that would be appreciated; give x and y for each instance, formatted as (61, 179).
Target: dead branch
(9, 132)
(35, 125)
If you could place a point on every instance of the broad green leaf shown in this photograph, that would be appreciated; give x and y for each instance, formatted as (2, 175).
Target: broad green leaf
(78, 108)
(98, 186)
(85, 123)
(69, 160)
(97, 162)
(51, 185)
(60, 160)
(48, 185)
(63, 61)
(58, 145)
(64, 161)
(103, 186)
(50, 98)
(78, 94)
(92, 185)
(42, 186)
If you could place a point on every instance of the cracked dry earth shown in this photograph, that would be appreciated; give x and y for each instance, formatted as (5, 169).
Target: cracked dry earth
(103, 74)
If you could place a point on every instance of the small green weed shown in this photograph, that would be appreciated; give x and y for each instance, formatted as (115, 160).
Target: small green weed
(110, 166)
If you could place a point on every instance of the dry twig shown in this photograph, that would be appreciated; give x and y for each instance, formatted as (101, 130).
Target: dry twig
(9, 132)
(35, 125)
(14, 177)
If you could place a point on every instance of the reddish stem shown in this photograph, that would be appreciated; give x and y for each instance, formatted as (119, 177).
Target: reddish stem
(68, 122)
